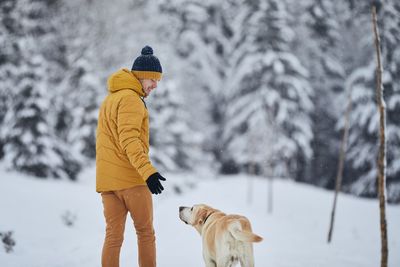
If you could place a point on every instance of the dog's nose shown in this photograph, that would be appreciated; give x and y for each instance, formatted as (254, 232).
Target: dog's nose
(181, 208)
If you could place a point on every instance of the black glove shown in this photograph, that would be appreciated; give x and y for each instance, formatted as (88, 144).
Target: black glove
(153, 182)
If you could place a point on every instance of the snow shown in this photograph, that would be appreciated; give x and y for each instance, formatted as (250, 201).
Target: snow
(294, 234)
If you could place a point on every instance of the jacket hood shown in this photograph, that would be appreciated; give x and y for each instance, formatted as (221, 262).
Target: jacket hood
(124, 79)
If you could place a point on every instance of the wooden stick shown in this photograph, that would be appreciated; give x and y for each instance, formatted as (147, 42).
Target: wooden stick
(342, 153)
(382, 145)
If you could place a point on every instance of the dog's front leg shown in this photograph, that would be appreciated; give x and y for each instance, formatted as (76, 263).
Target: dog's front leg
(209, 262)
(208, 259)
(225, 262)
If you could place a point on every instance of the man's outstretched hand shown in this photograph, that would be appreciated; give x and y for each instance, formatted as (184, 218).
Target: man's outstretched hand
(153, 182)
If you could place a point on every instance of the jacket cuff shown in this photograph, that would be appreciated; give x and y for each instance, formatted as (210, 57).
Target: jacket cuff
(146, 174)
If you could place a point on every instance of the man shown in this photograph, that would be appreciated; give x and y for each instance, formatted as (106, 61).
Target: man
(124, 174)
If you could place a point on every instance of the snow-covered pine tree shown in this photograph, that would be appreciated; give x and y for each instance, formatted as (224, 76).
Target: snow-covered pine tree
(202, 35)
(76, 99)
(175, 146)
(30, 145)
(83, 96)
(9, 59)
(363, 137)
(391, 41)
(270, 97)
(221, 41)
(331, 49)
(316, 42)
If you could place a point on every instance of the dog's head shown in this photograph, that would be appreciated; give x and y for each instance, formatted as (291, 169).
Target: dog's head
(196, 215)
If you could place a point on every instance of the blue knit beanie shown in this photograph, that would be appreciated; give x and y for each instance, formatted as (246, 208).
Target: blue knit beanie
(147, 66)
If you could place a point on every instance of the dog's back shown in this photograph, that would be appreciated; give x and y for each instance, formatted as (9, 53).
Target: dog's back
(240, 229)
(236, 242)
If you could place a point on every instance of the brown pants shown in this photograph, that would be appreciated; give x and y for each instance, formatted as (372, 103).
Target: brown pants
(138, 201)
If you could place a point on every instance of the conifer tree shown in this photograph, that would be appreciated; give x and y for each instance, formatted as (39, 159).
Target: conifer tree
(9, 59)
(271, 98)
(30, 144)
(175, 146)
(363, 137)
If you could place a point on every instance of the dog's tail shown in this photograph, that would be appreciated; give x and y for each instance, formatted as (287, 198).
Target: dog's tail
(236, 231)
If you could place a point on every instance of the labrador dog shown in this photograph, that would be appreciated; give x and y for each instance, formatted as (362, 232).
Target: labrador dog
(227, 239)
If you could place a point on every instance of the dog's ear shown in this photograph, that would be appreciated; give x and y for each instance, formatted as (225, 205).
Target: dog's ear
(201, 215)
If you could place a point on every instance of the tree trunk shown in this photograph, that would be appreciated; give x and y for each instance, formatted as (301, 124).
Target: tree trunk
(270, 194)
(342, 153)
(252, 172)
(382, 145)
(270, 189)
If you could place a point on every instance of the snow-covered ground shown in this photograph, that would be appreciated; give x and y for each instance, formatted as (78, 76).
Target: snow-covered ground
(294, 234)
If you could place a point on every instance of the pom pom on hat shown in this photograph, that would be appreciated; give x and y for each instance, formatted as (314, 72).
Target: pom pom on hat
(147, 50)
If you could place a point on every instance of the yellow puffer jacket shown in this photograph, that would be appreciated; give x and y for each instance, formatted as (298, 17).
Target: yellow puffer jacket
(122, 138)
